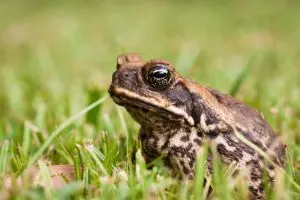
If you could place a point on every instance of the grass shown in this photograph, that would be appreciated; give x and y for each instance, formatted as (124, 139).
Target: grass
(56, 59)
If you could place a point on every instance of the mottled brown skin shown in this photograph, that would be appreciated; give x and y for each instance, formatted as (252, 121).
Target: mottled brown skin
(178, 117)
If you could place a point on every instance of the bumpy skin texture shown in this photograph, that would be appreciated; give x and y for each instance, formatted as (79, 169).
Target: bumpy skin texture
(177, 119)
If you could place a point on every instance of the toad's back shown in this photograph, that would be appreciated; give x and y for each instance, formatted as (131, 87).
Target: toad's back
(252, 125)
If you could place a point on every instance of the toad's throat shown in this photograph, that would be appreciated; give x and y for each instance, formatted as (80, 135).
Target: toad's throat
(128, 98)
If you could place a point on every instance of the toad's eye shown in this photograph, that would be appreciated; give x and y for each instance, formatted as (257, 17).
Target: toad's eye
(159, 76)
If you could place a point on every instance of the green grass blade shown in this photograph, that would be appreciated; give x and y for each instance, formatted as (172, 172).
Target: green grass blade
(219, 178)
(241, 78)
(70, 190)
(26, 138)
(54, 134)
(97, 157)
(46, 179)
(3, 157)
(200, 174)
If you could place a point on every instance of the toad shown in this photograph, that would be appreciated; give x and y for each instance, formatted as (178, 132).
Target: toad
(177, 115)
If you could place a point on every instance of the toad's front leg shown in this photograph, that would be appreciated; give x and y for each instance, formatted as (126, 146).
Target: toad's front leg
(150, 150)
(182, 161)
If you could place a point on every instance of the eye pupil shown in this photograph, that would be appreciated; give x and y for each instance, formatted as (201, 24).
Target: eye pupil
(160, 73)
(159, 76)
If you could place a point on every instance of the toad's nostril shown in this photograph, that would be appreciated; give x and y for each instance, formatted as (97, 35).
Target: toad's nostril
(126, 75)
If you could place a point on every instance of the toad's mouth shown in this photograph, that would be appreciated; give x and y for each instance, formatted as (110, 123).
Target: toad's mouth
(130, 99)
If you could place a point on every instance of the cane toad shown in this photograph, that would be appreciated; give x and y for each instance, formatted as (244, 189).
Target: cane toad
(177, 115)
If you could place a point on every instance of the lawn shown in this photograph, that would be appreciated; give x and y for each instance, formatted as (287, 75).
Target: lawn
(57, 58)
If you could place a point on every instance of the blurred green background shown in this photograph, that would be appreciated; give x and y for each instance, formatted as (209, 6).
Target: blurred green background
(51, 50)
(56, 57)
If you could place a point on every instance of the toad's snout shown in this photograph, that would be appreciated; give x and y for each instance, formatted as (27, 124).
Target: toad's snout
(123, 79)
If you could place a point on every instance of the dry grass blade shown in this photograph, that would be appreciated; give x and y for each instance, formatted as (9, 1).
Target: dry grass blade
(56, 175)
